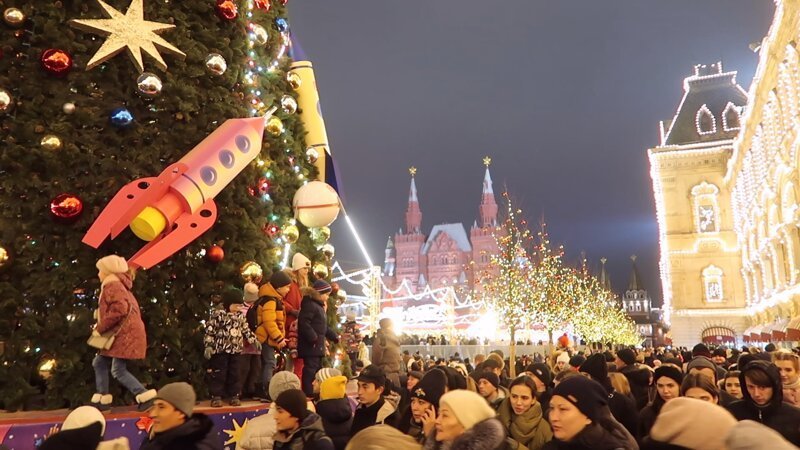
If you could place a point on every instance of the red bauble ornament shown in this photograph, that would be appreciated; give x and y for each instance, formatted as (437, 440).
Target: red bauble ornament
(263, 4)
(334, 288)
(56, 62)
(215, 254)
(66, 207)
(227, 9)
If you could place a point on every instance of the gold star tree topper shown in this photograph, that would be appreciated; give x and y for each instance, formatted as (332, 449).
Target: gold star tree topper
(487, 161)
(412, 170)
(130, 31)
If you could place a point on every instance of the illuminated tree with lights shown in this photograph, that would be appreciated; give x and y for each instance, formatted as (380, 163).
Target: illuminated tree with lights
(554, 286)
(507, 289)
(77, 123)
(599, 317)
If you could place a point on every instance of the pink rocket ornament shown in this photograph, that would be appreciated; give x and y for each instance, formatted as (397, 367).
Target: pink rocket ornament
(175, 208)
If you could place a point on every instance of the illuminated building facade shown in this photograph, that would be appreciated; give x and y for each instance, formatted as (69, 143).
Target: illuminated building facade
(726, 195)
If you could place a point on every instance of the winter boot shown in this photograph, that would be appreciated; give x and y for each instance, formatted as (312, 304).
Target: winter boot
(216, 402)
(146, 399)
(235, 401)
(105, 402)
(95, 401)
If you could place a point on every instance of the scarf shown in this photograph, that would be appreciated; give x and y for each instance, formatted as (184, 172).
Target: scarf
(524, 427)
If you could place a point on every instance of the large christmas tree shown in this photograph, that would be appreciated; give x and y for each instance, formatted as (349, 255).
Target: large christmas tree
(87, 106)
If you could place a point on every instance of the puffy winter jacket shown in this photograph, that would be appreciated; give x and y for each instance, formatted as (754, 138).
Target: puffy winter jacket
(386, 352)
(119, 310)
(259, 433)
(197, 433)
(271, 318)
(337, 418)
(312, 326)
(486, 435)
(639, 380)
(310, 436)
(781, 417)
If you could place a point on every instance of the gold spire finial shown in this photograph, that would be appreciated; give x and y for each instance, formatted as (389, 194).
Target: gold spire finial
(412, 170)
(487, 161)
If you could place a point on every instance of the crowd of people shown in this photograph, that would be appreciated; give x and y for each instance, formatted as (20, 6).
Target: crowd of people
(721, 398)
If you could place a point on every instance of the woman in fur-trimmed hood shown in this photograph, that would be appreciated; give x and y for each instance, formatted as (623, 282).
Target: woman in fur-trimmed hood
(465, 422)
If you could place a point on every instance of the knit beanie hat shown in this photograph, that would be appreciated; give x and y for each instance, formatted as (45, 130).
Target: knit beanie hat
(431, 388)
(293, 401)
(250, 292)
(497, 358)
(563, 357)
(416, 374)
(701, 350)
(596, 367)
(627, 356)
(280, 279)
(721, 352)
(577, 360)
(112, 264)
(327, 372)
(322, 286)
(282, 381)
(181, 395)
(491, 377)
(670, 372)
(84, 416)
(587, 395)
(542, 372)
(300, 261)
(688, 422)
(751, 435)
(231, 296)
(701, 362)
(333, 387)
(468, 407)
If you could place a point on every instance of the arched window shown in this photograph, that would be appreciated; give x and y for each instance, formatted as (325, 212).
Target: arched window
(705, 122)
(730, 117)
(712, 283)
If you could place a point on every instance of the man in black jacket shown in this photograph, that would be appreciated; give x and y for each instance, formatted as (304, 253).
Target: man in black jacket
(312, 329)
(176, 426)
(638, 377)
(373, 409)
(763, 401)
(622, 407)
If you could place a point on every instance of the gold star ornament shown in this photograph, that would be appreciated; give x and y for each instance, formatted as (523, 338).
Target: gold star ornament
(236, 433)
(130, 31)
(412, 170)
(487, 161)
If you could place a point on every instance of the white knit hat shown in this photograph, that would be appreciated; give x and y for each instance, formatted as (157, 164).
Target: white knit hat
(250, 292)
(300, 261)
(468, 407)
(564, 356)
(327, 372)
(282, 381)
(84, 416)
(112, 264)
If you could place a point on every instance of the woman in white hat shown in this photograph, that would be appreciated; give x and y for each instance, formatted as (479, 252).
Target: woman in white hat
(465, 422)
(291, 302)
(119, 315)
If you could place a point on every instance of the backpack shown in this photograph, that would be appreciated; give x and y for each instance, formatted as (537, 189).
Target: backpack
(253, 318)
(291, 336)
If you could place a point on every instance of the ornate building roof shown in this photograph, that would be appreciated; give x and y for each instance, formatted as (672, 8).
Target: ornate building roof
(710, 109)
(455, 231)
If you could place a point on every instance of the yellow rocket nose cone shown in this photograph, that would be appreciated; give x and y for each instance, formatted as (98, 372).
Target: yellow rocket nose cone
(148, 224)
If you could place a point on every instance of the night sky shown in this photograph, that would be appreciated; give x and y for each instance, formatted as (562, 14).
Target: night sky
(565, 96)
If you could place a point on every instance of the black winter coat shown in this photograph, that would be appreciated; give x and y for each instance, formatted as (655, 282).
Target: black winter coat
(310, 436)
(486, 435)
(337, 418)
(623, 408)
(197, 433)
(312, 327)
(639, 379)
(611, 436)
(76, 439)
(781, 417)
